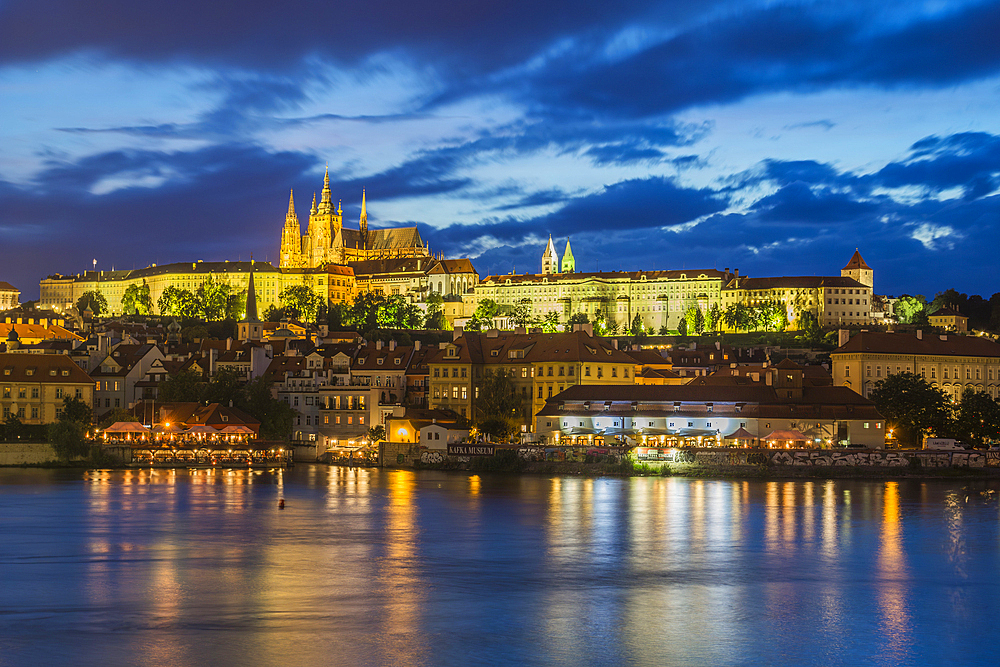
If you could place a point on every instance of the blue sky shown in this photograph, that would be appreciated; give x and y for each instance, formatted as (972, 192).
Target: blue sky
(775, 137)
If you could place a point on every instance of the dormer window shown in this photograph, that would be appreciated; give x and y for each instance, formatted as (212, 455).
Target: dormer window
(398, 360)
(361, 361)
(379, 361)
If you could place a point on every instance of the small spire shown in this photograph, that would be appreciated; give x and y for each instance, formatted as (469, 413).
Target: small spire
(340, 211)
(291, 205)
(364, 209)
(313, 209)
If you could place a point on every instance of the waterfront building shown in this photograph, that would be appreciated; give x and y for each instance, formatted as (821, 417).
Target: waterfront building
(32, 331)
(540, 365)
(783, 411)
(117, 375)
(9, 296)
(954, 363)
(33, 386)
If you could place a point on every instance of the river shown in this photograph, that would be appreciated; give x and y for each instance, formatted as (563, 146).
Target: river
(380, 567)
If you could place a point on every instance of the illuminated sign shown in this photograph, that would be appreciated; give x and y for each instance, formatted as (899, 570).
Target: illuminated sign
(471, 450)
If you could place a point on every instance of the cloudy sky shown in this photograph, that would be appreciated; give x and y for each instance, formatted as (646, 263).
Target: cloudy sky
(774, 136)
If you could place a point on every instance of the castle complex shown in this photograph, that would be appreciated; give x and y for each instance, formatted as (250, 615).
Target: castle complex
(327, 241)
(660, 298)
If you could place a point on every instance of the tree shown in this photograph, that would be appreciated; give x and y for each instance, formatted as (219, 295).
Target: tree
(908, 308)
(136, 300)
(809, 329)
(435, 318)
(770, 315)
(376, 433)
(578, 318)
(483, 317)
(497, 405)
(227, 387)
(213, 298)
(737, 317)
(167, 303)
(911, 406)
(694, 320)
(276, 417)
(68, 435)
(186, 386)
(93, 300)
(522, 314)
(714, 318)
(116, 415)
(363, 313)
(637, 329)
(302, 300)
(550, 323)
(682, 327)
(75, 409)
(236, 306)
(978, 418)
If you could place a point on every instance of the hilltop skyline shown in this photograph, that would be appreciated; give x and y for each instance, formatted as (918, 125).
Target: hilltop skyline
(773, 137)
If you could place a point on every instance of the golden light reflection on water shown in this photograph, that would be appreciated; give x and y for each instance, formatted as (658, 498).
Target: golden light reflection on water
(665, 569)
(895, 621)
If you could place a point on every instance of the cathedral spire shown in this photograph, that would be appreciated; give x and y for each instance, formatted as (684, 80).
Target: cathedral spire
(550, 260)
(291, 208)
(363, 221)
(313, 209)
(568, 262)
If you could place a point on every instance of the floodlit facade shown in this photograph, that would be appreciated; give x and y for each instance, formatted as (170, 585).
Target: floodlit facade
(956, 364)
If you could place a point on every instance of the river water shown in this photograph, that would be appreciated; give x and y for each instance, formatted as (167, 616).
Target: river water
(378, 567)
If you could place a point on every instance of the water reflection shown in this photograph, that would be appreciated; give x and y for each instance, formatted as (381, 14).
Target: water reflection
(372, 566)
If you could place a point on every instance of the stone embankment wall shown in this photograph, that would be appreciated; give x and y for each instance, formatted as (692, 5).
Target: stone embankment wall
(801, 458)
(26, 453)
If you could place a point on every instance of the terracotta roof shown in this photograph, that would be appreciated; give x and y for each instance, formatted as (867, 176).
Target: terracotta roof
(857, 262)
(44, 368)
(452, 266)
(793, 282)
(367, 358)
(7, 287)
(929, 344)
(574, 346)
(946, 312)
(692, 274)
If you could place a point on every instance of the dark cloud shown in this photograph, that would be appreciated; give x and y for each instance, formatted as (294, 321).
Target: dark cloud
(266, 35)
(777, 48)
(968, 160)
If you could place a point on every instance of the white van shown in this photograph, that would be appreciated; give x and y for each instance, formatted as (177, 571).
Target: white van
(943, 444)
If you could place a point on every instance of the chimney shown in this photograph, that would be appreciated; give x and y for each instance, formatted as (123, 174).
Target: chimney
(229, 344)
(694, 345)
(920, 334)
(943, 337)
(457, 333)
(416, 345)
(718, 345)
(520, 330)
(378, 345)
(392, 345)
(844, 335)
(614, 342)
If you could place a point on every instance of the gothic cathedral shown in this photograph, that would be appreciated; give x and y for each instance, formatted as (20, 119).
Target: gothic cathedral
(327, 241)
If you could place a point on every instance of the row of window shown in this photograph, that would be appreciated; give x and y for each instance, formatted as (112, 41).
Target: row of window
(22, 392)
(954, 375)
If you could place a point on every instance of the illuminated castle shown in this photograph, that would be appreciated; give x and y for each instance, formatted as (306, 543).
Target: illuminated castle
(327, 241)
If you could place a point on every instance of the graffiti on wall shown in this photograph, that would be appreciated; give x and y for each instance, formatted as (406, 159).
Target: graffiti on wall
(825, 457)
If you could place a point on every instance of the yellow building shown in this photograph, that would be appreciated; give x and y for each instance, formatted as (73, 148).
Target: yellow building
(540, 365)
(949, 319)
(9, 296)
(33, 386)
(659, 298)
(835, 301)
(60, 293)
(956, 364)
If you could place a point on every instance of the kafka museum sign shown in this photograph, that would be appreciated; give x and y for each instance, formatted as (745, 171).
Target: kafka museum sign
(471, 450)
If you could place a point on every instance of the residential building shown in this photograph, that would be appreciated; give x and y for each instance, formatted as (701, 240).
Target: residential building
(540, 365)
(954, 363)
(33, 386)
(9, 296)
(949, 319)
(116, 376)
(706, 415)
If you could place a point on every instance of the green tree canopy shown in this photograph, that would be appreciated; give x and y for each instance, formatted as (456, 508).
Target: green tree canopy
(93, 300)
(183, 387)
(978, 418)
(578, 318)
(550, 323)
(136, 300)
(497, 405)
(912, 407)
(301, 300)
(908, 308)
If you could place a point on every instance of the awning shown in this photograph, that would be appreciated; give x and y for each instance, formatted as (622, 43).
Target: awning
(579, 430)
(787, 435)
(126, 427)
(741, 434)
(657, 431)
(695, 432)
(201, 428)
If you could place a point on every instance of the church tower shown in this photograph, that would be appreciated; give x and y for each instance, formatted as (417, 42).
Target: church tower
(363, 222)
(291, 241)
(321, 226)
(550, 260)
(858, 269)
(568, 263)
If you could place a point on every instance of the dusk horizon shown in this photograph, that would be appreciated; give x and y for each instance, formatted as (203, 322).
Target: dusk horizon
(775, 138)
